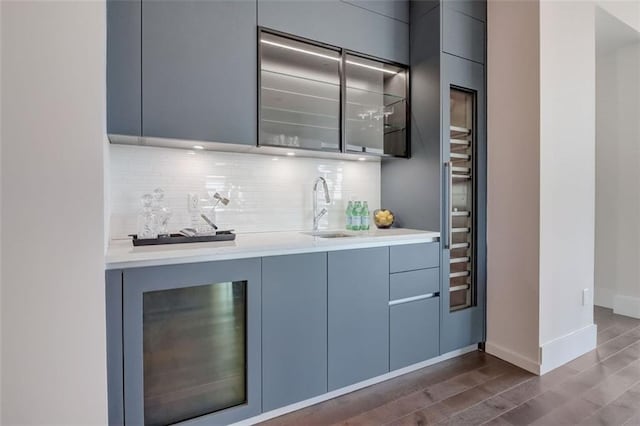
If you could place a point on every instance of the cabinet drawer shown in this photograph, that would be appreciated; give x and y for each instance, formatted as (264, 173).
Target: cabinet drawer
(414, 283)
(414, 332)
(414, 256)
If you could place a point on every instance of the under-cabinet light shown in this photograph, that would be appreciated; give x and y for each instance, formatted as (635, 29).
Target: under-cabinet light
(333, 58)
(371, 67)
(291, 154)
(198, 147)
(361, 159)
(297, 49)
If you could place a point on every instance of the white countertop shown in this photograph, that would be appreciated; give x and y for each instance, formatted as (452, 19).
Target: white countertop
(122, 254)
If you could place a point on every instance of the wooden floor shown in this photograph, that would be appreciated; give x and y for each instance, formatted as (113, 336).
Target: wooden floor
(601, 387)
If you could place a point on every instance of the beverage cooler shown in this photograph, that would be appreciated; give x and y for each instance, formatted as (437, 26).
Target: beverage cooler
(464, 205)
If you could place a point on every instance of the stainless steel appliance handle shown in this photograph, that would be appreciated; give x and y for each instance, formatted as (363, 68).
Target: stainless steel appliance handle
(449, 167)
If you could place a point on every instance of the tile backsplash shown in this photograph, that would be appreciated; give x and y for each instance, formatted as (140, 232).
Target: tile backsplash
(267, 193)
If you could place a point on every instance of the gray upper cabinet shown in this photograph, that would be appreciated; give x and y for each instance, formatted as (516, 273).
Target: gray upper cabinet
(199, 70)
(393, 9)
(474, 8)
(463, 36)
(294, 328)
(124, 99)
(361, 26)
(358, 317)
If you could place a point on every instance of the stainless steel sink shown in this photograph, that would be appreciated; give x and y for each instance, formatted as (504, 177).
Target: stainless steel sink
(329, 234)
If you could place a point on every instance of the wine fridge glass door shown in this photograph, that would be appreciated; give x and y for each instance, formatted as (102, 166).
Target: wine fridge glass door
(461, 203)
(194, 348)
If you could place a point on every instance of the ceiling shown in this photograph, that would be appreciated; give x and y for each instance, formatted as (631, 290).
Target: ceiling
(611, 33)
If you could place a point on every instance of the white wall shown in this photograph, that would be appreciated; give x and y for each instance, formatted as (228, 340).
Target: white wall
(53, 109)
(567, 172)
(267, 193)
(1, 133)
(607, 272)
(617, 173)
(541, 181)
(513, 181)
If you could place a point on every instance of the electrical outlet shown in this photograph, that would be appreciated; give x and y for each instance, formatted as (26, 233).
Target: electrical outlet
(587, 298)
(193, 203)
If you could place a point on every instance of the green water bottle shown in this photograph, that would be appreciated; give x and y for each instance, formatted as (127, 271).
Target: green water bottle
(349, 215)
(364, 217)
(356, 219)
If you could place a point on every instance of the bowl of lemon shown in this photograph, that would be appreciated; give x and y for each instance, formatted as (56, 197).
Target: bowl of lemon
(383, 218)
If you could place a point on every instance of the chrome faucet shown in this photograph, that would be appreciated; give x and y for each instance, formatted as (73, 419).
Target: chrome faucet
(327, 200)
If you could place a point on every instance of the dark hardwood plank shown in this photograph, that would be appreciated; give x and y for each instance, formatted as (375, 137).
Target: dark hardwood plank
(431, 395)
(601, 387)
(619, 411)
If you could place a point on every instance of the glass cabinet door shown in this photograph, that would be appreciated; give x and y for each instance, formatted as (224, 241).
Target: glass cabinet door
(376, 107)
(191, 340)
(194, 349)
(461, 155)
(299, 94)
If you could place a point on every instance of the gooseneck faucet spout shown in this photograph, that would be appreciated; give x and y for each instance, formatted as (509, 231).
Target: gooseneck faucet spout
(327, 199)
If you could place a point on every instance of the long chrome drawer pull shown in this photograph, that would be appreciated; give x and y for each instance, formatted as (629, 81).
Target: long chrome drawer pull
(413, 299)
(459, 274)
(459, 287)
(449, 206)
(459, 259)
(459, 142)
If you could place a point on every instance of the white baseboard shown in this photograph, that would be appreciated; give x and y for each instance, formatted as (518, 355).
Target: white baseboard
(512, 357)
(338, 392)
(627, 305)
(604, 297)
(559, 351)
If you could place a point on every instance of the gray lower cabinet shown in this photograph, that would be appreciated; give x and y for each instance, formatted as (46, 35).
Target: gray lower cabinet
(191, 340)
(358, 315)
(218, 342)
(410, 257)
(115, 384)
(294, 328)
(199, 70)
(414, 328)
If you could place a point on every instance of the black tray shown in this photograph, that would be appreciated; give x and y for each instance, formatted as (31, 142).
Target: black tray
(180, 239)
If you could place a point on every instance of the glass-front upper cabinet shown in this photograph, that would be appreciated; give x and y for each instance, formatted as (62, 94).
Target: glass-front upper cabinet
(323, 98)
(299, 94)
(376, 107)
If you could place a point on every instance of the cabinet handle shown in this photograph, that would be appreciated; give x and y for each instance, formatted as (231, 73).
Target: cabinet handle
(449, 167)
(413, 299)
